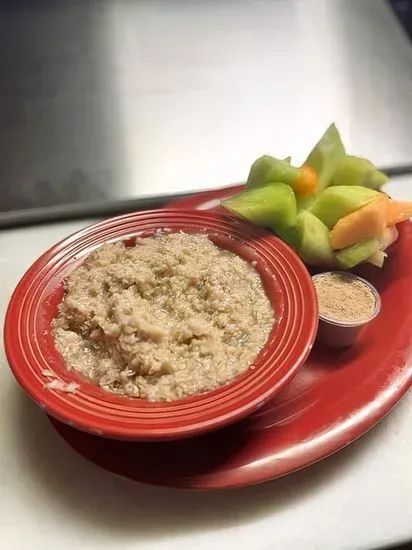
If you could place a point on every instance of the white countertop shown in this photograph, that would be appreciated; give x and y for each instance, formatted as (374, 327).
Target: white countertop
(52, 498)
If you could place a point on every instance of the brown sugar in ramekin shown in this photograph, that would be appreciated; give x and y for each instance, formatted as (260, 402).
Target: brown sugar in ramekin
(346, 304)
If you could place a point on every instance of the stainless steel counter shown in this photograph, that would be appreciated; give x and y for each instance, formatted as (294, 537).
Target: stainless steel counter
(125, 98)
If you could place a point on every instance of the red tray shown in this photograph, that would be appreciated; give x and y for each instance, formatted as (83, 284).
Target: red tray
(334, 399)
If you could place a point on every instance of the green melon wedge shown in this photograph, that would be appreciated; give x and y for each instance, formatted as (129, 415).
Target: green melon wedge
(337, 202)
(272, 205)
(358, 253)
(268, 169)
(326, 155)
(313, 240)
(358, 171)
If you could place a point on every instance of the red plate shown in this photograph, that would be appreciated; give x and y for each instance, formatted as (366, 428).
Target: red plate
(333, 400)
(30, 348)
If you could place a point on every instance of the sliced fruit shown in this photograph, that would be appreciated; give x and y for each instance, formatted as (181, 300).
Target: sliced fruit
(377, 259)
(358, 171)
(305, 203)
(307, 182)
(357, 253)
(313, 239)
(399, 211)
(272, 205)
(388, 237)
(365, 223)
(337, 202)
(266, 169)
(326, 155)
(288, 234)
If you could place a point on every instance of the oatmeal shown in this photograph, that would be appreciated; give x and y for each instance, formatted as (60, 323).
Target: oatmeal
(169, 317)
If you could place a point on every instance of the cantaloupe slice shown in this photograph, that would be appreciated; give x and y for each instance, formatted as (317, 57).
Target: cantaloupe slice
(365, 223)
(399, 211)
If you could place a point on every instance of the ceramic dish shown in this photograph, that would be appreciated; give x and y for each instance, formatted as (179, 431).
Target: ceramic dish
(332, 401)
(30, 348)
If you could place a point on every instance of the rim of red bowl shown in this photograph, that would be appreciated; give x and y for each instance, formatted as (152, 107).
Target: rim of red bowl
(30, 349)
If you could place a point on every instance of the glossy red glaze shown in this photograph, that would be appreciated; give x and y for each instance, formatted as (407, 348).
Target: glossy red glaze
(332, 401)
(30, 348)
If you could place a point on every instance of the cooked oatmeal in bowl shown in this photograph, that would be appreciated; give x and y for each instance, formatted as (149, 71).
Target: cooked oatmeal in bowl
(160, 325)
(171, 316)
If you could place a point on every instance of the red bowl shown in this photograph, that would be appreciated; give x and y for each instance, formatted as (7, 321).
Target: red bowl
(30, 348)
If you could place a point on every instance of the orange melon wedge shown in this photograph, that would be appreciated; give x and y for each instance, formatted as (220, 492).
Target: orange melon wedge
(399, 211)
(365, 223)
